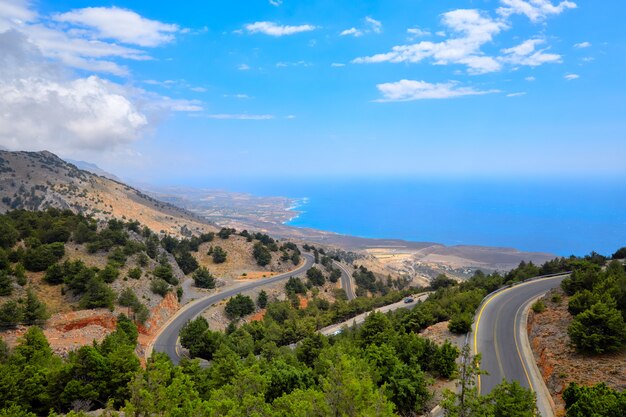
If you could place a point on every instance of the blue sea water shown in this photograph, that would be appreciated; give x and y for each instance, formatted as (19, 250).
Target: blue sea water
(562, 218)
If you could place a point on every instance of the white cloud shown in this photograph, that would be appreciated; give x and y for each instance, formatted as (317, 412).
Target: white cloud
(337, 65)
(570, 77)
(276, 2)
(243, 67)
(351, 32)
(370, 26)
(473, 30)
(530, 79)
(526, 54)
(199, 89)
(417, 33)
(409, 90)
(86, 45)
(535, 10)
(441, 33)
(121, 25)
(227, 116)
(238, 96)
(293, 64)
(582, 45)
(15, 12)
(42, 106)
(516, 94)
(374, 25)
(273, 29)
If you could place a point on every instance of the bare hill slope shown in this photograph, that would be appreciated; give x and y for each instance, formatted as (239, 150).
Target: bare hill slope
(38, 180)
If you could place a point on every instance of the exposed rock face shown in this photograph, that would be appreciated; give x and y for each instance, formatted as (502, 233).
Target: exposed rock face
(559, 362)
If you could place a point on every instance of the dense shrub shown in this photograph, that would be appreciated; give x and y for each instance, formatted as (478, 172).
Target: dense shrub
(315, 276)
(261, 254)
(239, 306)
(219, 255)
(203, 279)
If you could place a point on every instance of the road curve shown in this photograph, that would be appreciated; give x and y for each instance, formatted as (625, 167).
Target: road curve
(500, 337)
(166, 341)
(357, 320)
(346, 281)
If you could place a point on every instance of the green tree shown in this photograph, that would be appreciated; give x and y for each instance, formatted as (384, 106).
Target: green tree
(239, 306)
(55, 274)
(599, 329)
(203, 279)
(160, 286)
(199, 339)
(461, 323)
(41, 257)
(128, 298)
(315, 276)
(219, 255)
(261, 300)
(295, 286)
(8, 233)
(11, 314)
(595, 401)
(109, 274)
(35, 311)
(444, 362)
(187, 262)
(261, 254)
(466, 401)
(6, 283)
(442, 281)
(97, 295)
(164, 272)
(134, 273)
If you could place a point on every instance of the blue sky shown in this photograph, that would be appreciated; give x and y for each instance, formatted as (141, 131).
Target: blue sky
(250, 89)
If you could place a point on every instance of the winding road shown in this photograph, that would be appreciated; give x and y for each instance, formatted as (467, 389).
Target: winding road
(346, 281)
(167, 340)
(500, 336)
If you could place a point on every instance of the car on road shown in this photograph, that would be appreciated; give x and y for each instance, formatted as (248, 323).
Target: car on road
(408, 300)
(337, 332)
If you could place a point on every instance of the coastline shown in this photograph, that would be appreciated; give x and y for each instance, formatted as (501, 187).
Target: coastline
(296, 205)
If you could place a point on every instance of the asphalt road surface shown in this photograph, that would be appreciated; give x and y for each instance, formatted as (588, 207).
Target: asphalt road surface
(357, 320)
(167, 341)
(498, 337)
(346, 281)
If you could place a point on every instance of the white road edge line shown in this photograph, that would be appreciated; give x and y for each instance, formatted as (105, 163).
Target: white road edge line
(545, 403)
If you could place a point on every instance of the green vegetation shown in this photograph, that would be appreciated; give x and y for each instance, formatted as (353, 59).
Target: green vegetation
(596, 401)
(261, 300)
(202, 278)
(261, 254)
(539, 306)
(598, 304)
(160, 286)
(295, 286)
(508, 399)
(239, 306)
(129, 299)
(36, 381)
(219, 255)
(315, 276)
(377, 366)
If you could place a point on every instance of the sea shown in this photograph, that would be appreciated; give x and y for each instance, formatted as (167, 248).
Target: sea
(558, 217)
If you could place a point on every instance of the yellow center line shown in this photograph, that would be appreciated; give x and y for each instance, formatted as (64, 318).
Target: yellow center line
(480, 313)
(495, 340)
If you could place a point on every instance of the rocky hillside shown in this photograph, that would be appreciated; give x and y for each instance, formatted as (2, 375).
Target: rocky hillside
(38, 180)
